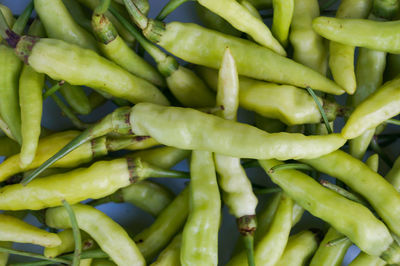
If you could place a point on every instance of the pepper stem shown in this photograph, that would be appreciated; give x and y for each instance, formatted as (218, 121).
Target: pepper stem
(247, 225)
(53, 89)
(117, 121)
(33, 255)
(141, 20)
(336, 241)
(76, 232)
(287, 166)
(169, 8)
(321, 110)
(23, 19)
(393, 122)
(343, 192)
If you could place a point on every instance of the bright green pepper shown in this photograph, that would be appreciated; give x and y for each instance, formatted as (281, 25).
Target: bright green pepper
(374, 188)
(99, 180)
(250, 58)
(59, 24)
(364, 259)
(154, 238)
(16, 230)
(115, 49)
(368, 233)
(330, 255)
(78, 66)
(299, 249)
(272, 244)
(360, 32)
(378, 107)
(109, 235)
(171, 254)
(283, 13)
(200, 234)
(146, 195)
(341, 57)
(308, 47)
(393, 176)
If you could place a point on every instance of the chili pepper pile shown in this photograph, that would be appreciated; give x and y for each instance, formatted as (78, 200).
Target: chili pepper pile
(84, 53)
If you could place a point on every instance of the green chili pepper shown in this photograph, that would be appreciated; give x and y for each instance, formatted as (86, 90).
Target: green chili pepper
(237, 190)
(78, 14)
(16, 230)
(378, 107)
(376, 190)
(200, 234)
(250, 58)
(99, 180)
(299, 249)
(373, 162)
(171, 254)
(213, 21)
(115, 49)
(387, 9)
(330, 255)
(241, 140)
(76, 97)
(73, 65)
(369, 73)
(283, 13)
(341, 57)
(53, 14)
(360, 33)
(109, 235)
(393, 176)
(371, 235)
(364, 259)
(271, 245)
(148, 196)
(289, 104)
(268, 124)
(154, 238)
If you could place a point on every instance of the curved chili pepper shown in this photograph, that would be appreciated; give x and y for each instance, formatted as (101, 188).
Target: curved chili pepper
(76, 97)
(154, 238)
(300, 248)
(341, 57)
(360, 33)
(371, 235)
(250, 58)
(115, 49)
(363, 180)
(203, 222)
(363, 259)
(171, 254)
(283, 13)
(146, 195)
(99, 180)
(16, 230)
(109, 235)
(378, 107)
(73, 63)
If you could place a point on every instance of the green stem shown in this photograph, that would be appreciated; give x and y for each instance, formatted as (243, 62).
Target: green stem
(102, 7)
(288, 166)
(327, 4)
(377, 149)
(141, 20)
(117, 121)
(53, 89)
(150, 48)
(33, 255)
(334, 242)
(321, 110)
(263, 191)
(343, 192)
(393, 122)
(76, 232)
(248, 241)
(169, 8)
(23, 19)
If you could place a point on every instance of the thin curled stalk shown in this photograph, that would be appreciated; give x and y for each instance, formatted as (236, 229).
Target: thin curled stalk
(343, 192)
(23, 19)
(53, 89)
(33, 255)
(76, 232)
(169, 8)
(248, 241)
(321, 110)
(393, 122)
(336, 241)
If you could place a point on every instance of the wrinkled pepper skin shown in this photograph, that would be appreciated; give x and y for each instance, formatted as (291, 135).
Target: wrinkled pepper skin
(341, 57)
(382, 196)
(200, 234)
(99, 180)
(15, 230)
(109, 235)
(309, 48)
(78, 66)
(9, 104)
(370, 34)
(252, 60)
(378, 107)
(241, 140)
(47, 147)
(368, 233)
